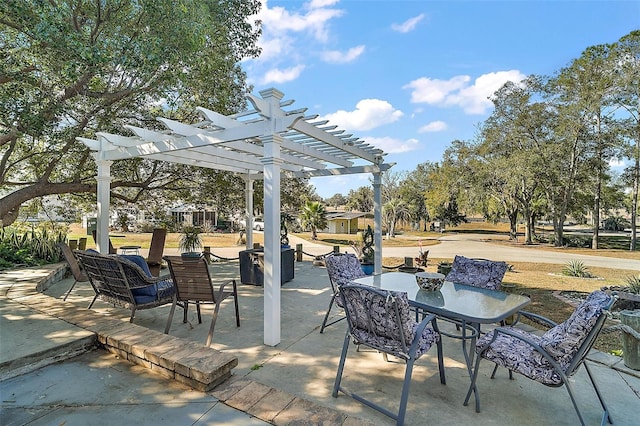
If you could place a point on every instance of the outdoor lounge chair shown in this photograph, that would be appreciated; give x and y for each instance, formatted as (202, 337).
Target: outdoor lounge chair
(193, 284)
(383, 321)
(342, 268)
(78, 274)
(156, 250)
(477, 272)
(123, 281)
(553, 357)
(112, 249)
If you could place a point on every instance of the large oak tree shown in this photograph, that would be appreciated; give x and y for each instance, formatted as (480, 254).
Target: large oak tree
(72, 68)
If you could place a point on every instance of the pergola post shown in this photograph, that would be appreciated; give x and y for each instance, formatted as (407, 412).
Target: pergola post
(103, 195)
(272, 272)
(377, 221)
(248, 216)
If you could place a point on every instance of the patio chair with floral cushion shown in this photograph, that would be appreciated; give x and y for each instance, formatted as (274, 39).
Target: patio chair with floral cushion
(342, 269)
(477, 272)
(382, 320)
(555, 356)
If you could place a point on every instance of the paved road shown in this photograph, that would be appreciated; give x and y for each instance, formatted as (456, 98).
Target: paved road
(470, 245)
(476, 245)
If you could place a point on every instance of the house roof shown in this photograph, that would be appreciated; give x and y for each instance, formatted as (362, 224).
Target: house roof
(344, 215)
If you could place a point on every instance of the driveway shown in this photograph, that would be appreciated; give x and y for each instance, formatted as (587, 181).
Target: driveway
(477, 245)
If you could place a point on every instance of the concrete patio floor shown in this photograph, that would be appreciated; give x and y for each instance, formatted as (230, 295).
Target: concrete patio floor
(304, 364)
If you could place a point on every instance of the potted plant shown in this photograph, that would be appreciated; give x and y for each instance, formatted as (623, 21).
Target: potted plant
(190, 242)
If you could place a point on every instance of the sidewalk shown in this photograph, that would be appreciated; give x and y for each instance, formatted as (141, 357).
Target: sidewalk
(298, 373)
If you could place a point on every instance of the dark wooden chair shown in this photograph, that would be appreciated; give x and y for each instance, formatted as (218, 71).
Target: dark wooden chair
(156, 250)
(193, 283)
(78, 274)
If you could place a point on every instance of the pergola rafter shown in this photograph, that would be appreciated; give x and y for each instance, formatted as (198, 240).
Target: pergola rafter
(262, 142)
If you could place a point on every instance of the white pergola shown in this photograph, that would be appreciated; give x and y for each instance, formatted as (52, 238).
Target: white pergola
(260, 143)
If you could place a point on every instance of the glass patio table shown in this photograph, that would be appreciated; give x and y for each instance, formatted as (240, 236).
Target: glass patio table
(464, 305)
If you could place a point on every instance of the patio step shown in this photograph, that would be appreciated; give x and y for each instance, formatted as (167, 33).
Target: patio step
(197, 366)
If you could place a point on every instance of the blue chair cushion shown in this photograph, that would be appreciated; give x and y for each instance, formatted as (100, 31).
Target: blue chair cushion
(138, 260)
(153, 292)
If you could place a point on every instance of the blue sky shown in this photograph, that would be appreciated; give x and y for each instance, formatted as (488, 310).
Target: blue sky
(411, 76)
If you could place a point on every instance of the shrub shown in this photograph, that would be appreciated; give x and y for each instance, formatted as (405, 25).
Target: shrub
(575, 268)
(30, 248)
(633, 282)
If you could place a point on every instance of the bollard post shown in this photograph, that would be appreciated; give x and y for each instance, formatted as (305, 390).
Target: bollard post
(207, 254)
(408, 261)
(631, 345)
(73, 244)
(298, 252)
(336, 249)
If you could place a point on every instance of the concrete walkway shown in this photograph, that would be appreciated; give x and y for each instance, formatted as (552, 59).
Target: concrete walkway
(287, 384)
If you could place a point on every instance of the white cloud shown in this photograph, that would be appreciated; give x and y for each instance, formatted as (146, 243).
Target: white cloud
(369, 114)
(434, 126)
(335, 56)
(473, 99)
(281, 76)
(393, 146)
(408, 25)
(278, 21)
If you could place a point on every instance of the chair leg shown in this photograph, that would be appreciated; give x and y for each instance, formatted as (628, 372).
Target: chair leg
(606, 413)
(133, 313)
(405, 392)
(173, 308)
(343, 357)
(92, 302)
(198, 310)
(213, 323)
(567, 384)
(184, 314)
(326, 316)
(69, 291)
(235, 302)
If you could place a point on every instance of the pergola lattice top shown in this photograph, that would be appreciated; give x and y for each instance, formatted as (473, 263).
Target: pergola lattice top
(309, 147)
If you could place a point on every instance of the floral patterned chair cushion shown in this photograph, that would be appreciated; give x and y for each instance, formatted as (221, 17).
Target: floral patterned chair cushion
(342, 269)
(374, 322)
(477, 272)
(561, 343)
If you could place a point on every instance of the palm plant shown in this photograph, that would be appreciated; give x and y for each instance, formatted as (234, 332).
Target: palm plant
(313, 217)
(190, 240)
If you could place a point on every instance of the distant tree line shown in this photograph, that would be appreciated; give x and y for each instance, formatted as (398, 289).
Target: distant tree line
(546, 151)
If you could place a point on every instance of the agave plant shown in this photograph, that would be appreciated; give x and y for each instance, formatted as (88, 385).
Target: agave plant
(633, 282)
(575, 268)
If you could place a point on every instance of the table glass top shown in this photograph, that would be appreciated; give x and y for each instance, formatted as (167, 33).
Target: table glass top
(458, 301)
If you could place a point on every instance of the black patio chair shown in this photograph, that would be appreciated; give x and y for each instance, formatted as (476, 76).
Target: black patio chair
(382, 320)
